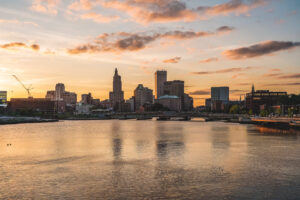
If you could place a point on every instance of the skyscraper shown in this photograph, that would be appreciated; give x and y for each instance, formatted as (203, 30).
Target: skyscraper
(142, 96)
(59, 91)
(117, 95)
(160, 79)
(220, 94)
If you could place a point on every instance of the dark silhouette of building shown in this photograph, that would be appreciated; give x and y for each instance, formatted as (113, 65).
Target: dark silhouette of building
(188, 102)
(173, 103)
(160, 79)
(36, 104)
(220, 94)
(255, 100)
(87, 99)
(219, 98)
(3, 97)
(117, 95)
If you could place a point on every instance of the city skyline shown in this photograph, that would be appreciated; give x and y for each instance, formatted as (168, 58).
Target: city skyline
(217, 43)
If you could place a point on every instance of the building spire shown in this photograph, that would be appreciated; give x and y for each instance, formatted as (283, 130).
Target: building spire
(116, 71)
(253, 90)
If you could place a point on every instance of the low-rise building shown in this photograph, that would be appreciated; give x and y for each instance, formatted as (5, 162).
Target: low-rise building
(83, 109)
(262, 99)
(3, 98)
(173, 103)
(36, 104)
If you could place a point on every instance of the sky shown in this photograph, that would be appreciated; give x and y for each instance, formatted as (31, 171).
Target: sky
(206, 43)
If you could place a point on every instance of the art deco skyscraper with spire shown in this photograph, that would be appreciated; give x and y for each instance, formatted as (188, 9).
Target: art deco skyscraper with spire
(117, 95)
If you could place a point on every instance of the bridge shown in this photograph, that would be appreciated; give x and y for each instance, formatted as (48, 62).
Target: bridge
(182, 116)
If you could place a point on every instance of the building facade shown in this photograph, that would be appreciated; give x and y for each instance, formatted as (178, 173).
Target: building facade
(86, 98)
(219, 98)
(60, 94)
(220, 94)
(117, 95)
(59, 91)
(36, 104)
(255, 100)
(173, 103)
(142, 95)
(188, 102)
(160, 79)
(3, 97)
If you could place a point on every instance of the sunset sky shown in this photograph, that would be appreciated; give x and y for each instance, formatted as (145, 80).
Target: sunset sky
(204, 42)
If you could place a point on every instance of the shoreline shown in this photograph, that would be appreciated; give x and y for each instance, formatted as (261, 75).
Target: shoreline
(6, 120)
(24, 120)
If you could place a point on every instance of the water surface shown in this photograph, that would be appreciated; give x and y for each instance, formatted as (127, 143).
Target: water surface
(131, 159)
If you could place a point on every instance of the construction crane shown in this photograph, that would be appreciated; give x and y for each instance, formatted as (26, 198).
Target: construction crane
(26, 88)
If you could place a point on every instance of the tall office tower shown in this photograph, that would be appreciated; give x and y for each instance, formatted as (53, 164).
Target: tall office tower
(175, 88)
(142, 96)
(117, 95)
(59, 91)
(160, 79)
(220, 94)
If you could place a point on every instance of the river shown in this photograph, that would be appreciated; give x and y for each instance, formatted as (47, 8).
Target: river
(129, 159)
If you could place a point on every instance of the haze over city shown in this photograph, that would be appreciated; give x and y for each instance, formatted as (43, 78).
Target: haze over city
(231, 43)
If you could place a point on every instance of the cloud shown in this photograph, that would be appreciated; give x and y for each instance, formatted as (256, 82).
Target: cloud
(208, 60)
(14, 21)
(234, 6)
(45, 6)
(123, 41)
(200, 92)
(81, 5)
(238, 91)
(147, 11)
(289, 76)
(272, 74)
(99, 18)
(283, 84)
(282, 75)
(223, 71)
(243, 84)
(172, 60)
(17, 45)
(260, 49)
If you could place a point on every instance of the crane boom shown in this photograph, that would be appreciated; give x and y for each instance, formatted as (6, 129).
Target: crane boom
(26, 88)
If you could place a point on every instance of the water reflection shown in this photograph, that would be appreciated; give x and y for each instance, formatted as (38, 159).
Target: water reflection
(220, 137)
(116, 140)
(170, 140)
(147, 160)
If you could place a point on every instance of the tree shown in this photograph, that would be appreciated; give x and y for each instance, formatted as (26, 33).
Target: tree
(250, 112)
(264, 113)
(235, 109)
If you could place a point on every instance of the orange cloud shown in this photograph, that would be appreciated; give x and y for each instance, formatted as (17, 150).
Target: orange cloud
(208, 60)
(45, 6)
(123, 41)
(234, 6)
(260, 49)
(81, 5)
(223, 71)
(99, 18)
(145, 11)
(17, 45)
(172, 60)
